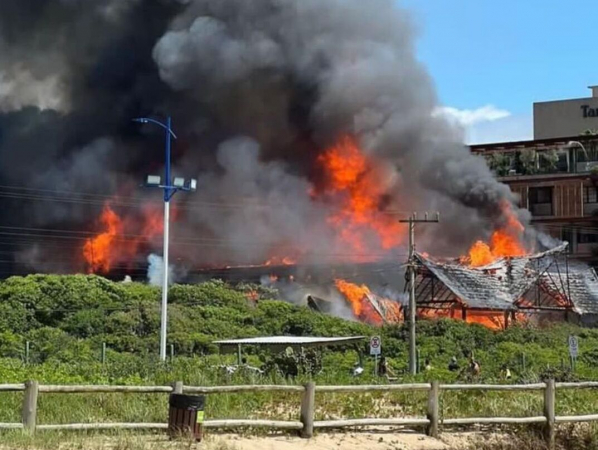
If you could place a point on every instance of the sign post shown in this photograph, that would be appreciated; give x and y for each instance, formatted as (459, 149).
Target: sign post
(573, 350)
(375, 350)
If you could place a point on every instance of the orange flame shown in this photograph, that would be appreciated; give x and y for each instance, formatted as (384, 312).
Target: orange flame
(112, 246)
(505, 242)
(98, 250)
(353, 178)
(360, 298)
(354, 293)
(494, 320)
(277, 261)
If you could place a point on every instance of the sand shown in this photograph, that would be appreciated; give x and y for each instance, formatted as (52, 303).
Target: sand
(370, 440)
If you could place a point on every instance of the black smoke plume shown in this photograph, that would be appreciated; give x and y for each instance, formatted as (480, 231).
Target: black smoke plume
(256, 89)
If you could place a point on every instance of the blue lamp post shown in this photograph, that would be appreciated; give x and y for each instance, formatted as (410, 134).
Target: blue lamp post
(170, 188)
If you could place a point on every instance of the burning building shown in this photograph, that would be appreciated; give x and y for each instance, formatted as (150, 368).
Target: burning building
(534, 288)
(310, 125)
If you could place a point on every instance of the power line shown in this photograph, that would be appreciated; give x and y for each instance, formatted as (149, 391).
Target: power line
(128, 201)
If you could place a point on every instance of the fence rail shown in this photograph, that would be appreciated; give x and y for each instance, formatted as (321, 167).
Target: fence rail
(307, 422)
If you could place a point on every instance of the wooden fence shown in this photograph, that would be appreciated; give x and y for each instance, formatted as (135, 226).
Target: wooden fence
(307, 423)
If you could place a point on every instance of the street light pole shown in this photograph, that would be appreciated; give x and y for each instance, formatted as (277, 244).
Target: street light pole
(170, 188)
(167, 197)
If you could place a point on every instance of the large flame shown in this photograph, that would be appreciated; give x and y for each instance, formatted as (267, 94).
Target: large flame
(112, 245)
(504, 242)
(98, 251)
(354, 293)
(361, 299)
(355, 183)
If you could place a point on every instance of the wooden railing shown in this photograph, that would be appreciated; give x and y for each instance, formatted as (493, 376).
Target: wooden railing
(307, 423)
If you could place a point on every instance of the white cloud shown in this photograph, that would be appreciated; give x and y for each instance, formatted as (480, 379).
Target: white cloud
(469, 117)
(488, 124)
(518, 127)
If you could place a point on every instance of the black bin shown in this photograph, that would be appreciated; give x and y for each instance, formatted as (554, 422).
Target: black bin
(186, 415)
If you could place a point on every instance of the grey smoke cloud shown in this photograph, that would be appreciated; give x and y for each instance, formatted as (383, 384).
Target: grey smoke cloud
(359, 63)
(257, 90)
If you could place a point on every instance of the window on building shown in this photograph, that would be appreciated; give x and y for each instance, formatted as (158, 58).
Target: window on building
(562, 165)
(590, 195)
(587, 237)
(540, 201)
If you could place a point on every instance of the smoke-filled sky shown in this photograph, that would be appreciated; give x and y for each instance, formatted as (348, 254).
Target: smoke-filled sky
(258, 92)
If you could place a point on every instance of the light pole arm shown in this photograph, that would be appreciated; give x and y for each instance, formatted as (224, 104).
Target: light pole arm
(157, 122)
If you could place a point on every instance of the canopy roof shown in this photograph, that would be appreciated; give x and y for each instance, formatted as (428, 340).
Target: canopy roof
(579, 282)
(292, 341)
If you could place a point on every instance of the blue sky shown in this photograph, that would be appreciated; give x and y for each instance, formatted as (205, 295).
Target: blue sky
(504, 55)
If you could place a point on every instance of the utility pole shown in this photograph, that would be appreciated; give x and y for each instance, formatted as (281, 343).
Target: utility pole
(412, 305)
(170, 186)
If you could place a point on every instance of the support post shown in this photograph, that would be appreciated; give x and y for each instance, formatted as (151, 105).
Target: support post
(27, 347)
(549, 413)
(239, 355)
(29, 412)
(103, 353)
(177, 387)
(412, 303)
(308, 410)
(171, 352)
(433, 409)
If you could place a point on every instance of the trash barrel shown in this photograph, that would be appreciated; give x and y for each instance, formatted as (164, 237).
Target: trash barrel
(186, 415)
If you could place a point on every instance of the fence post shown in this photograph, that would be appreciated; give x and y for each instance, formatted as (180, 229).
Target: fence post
(549, 412)
(29, 412)
(433, 407)
(178, 387)
(308, 410)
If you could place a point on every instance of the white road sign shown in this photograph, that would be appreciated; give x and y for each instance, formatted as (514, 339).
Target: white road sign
(573, 346)
(375, 345)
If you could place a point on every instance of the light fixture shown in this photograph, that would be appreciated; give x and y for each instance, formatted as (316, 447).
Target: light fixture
(193, 184)
(178, 182)
(153, 180)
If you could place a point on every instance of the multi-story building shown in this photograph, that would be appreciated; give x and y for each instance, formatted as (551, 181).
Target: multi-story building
(556, 174)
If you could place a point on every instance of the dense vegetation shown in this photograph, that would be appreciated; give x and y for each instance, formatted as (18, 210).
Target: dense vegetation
(67, 318)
